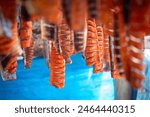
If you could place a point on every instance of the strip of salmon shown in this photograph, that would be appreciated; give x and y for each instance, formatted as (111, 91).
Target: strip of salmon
(91, 49)
(57, 69)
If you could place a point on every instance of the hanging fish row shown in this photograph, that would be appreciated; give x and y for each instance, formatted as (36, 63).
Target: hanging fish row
(60, 45)
(15, 39)
(109, 34)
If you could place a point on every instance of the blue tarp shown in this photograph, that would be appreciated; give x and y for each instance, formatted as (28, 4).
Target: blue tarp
(144, 92)
(80, 83)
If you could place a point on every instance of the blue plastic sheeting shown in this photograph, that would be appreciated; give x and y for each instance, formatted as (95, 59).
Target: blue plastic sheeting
(144, 92)
(80, 84)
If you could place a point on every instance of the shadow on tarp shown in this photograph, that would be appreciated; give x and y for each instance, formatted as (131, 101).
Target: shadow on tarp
(80, 84)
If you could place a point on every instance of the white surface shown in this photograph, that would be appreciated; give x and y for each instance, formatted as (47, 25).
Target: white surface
(147, 42)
